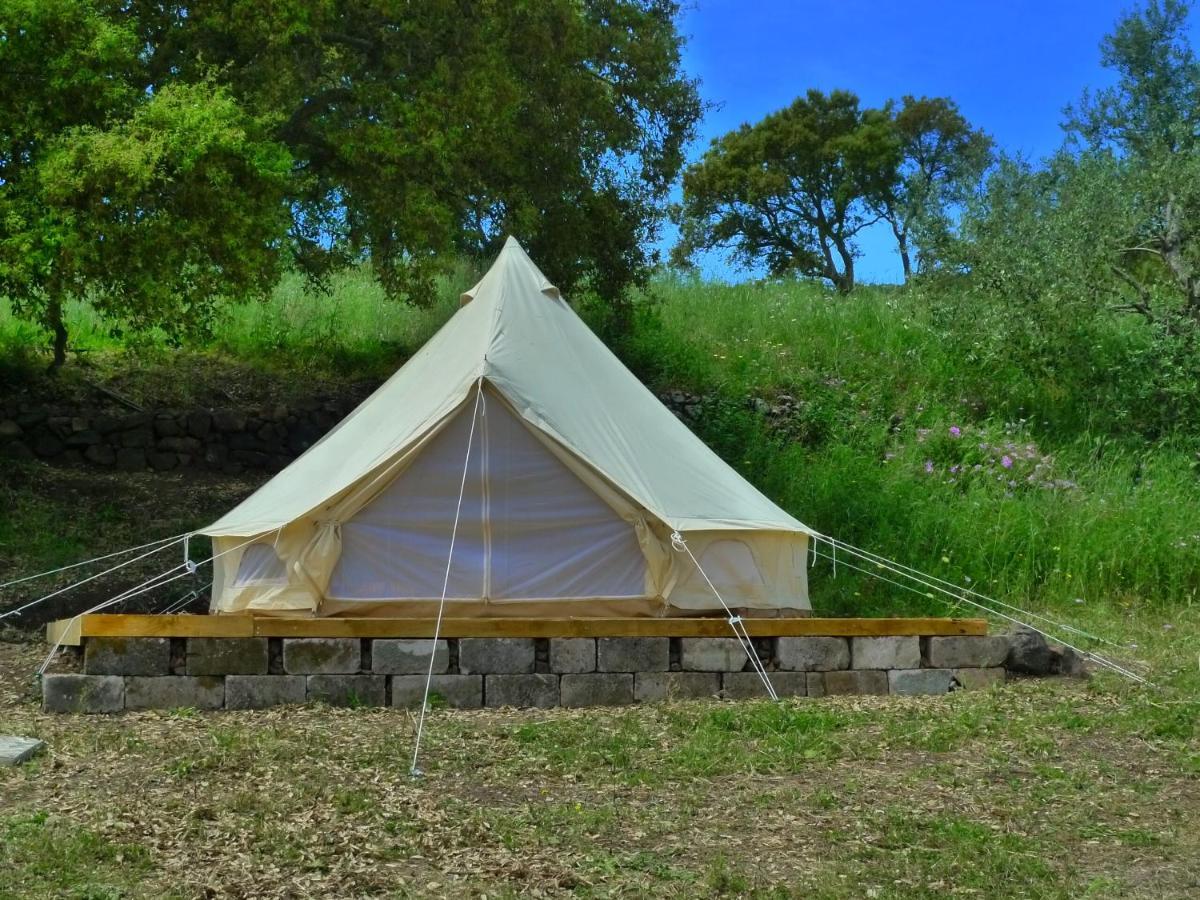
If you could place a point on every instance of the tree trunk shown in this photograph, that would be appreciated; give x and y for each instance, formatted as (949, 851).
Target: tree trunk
(54, 318)
(902, 246)
(844, 282)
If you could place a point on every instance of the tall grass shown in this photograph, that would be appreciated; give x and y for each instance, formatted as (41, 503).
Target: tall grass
(1031, 497)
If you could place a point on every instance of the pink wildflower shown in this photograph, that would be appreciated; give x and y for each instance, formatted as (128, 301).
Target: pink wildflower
(1006, 461)
(929, 466)
(955, 431)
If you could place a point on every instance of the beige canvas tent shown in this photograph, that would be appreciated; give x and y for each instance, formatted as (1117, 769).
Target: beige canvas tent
(572, 478)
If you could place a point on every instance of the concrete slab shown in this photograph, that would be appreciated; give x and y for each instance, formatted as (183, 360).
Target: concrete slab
(16, 750)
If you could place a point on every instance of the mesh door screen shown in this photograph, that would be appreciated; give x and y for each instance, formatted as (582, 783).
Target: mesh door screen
(528, 529)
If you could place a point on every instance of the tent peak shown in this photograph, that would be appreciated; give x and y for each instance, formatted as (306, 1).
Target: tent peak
(512, 255)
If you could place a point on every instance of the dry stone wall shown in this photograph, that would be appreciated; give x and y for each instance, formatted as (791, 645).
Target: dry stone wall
(251, 673)
(215, 439)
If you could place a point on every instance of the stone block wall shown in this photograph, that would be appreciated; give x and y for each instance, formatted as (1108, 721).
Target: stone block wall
(215, 439)
(468, 673)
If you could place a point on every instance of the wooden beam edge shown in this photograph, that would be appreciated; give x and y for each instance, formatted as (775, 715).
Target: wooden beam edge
(71, 632)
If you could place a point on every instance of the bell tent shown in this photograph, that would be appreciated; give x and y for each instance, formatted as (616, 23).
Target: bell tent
(513, 467)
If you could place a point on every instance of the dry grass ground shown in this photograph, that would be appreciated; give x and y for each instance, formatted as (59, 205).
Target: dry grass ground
(1042, 789)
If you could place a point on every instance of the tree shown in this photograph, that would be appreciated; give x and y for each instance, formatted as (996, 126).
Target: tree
(1148, 126)
(942, 161)
(793, 190)
(339, 130)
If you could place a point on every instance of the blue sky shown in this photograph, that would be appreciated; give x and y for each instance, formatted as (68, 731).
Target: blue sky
(1012, 65)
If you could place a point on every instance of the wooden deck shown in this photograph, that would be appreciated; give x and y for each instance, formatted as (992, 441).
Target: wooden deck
(71, 632)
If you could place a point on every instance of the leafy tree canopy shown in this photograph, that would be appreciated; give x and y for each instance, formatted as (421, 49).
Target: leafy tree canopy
(794, 190)
(160, 158)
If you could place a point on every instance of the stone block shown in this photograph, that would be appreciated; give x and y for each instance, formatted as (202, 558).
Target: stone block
(980, 652)
(854, 681)
(261, 691)
(227, 656)
(64, 693)
(979, 679)
(712, 654)
(748, 686)
(348, 690)
(572, 654)
(408, 657)
(17, 750)
(322, 656)
(126, 656)
(174, 692)
(885, 653)
(489, 656)
(920, 681)
(597, 689)
(675, 685)
(520, 690)
(816, 684)
(458, 691)
(813, 654)
(633, 654)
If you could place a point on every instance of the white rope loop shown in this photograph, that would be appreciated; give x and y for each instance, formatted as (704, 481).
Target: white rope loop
(414, 771)
(735, 621)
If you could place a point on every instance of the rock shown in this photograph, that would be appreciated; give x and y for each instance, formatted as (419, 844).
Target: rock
(70, 693)
(404, 657)
(813, 654)
(885, 653)
(1068, 662)
(348, 690)
(749, 686)
(712, 654)
(81, 439)
(262, 691)
(597, 689)
(47, 446)
(166, 426)
(572, 654)
(199, 423)
(633, 654)
(228, 420)
(458, 691)
(106, 424)
(131, 459)
(227, 656)
(100, 454)
(978, 679)
(174, 692)
(9, 430)
(920, 681)
(853, 681)
(322, 656)
(982, 652)
(675, 685)
(137, 437)
(539, 690)
(180, 444)
(126, 656)
(162, 462)
(16, 750)
(1028, 653)
(490, 656)
(16, 450)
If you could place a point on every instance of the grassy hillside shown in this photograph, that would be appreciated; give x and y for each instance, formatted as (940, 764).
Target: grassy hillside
(871, 418)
